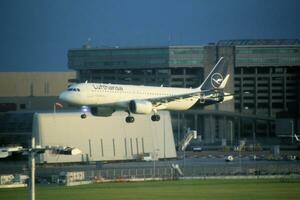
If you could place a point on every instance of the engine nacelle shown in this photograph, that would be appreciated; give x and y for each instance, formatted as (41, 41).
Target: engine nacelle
(140, 107)
(102, 111)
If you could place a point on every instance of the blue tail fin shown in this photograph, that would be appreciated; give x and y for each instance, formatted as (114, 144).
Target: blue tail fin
(217, 78)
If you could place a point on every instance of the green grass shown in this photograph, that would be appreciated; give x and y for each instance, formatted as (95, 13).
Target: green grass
(188, 189)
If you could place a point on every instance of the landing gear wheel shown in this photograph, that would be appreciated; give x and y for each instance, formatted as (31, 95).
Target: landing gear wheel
(129, 119)
(83, 116)
(155, 118)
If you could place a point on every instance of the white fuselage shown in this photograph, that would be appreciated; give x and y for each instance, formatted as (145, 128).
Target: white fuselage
(118, 96)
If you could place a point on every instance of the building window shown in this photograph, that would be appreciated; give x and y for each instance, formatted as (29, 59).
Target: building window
(177, 71)
(277, 70)
(237, 70)
(163, 71)
(23, 106)
(248, 70)
(277, 105)
(263, 70)
(4, 107)
(263, 105)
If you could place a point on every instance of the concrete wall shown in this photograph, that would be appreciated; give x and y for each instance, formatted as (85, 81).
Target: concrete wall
(32, 90)
(104, 138)
(32, 103)
(20, 84)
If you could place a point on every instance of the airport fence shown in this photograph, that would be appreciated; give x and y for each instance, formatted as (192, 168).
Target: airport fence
(168, 172)
(131, 173)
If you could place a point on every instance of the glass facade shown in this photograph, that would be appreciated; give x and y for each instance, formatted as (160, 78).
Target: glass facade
(268, 56)
(135, 58)
(117, 58)
(168, 66)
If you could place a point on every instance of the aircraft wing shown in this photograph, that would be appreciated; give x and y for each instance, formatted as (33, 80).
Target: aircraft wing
(160, 101)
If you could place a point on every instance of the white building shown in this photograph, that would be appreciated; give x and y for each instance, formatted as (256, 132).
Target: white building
(104, 138)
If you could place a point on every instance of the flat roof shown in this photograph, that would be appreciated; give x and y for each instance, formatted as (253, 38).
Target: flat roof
(136, 47)
(238, 42)
(247, 42)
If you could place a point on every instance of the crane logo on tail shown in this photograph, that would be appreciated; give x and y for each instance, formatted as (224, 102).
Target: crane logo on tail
(216, 80)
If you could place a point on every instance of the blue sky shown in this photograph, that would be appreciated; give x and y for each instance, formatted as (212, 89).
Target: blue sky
(35, 35)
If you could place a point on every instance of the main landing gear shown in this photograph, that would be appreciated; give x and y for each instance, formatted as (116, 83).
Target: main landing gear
(83, 116)
(130, 119)
(155, 117)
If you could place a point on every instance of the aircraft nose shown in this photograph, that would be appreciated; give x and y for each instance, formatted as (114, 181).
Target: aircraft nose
(63, 96)
(70, 97)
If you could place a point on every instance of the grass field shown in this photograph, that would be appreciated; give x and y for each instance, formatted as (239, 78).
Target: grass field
(187, 189)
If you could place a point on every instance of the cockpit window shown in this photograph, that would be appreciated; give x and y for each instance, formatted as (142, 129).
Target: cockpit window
(74, 89)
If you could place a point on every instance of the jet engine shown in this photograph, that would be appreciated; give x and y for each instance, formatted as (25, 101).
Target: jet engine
(140, 107)
(102, 111)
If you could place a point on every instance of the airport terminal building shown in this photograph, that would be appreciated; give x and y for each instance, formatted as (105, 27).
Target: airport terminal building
(265, 79)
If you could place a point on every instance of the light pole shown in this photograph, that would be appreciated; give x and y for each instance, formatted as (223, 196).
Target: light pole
(292, 127)
(231, 134)
(191, 134)
(154, 159)
(183, 160)
(32, 152)
(240, 158)
(241, 146)
(164, 138)
(254, 136)
(32, 171)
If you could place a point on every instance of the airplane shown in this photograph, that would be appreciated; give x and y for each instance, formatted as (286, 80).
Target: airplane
(8, 151)
(65, 150)
(104, 99)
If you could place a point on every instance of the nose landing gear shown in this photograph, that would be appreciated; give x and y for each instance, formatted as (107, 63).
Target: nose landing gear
(84, 110)
(129, 119)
